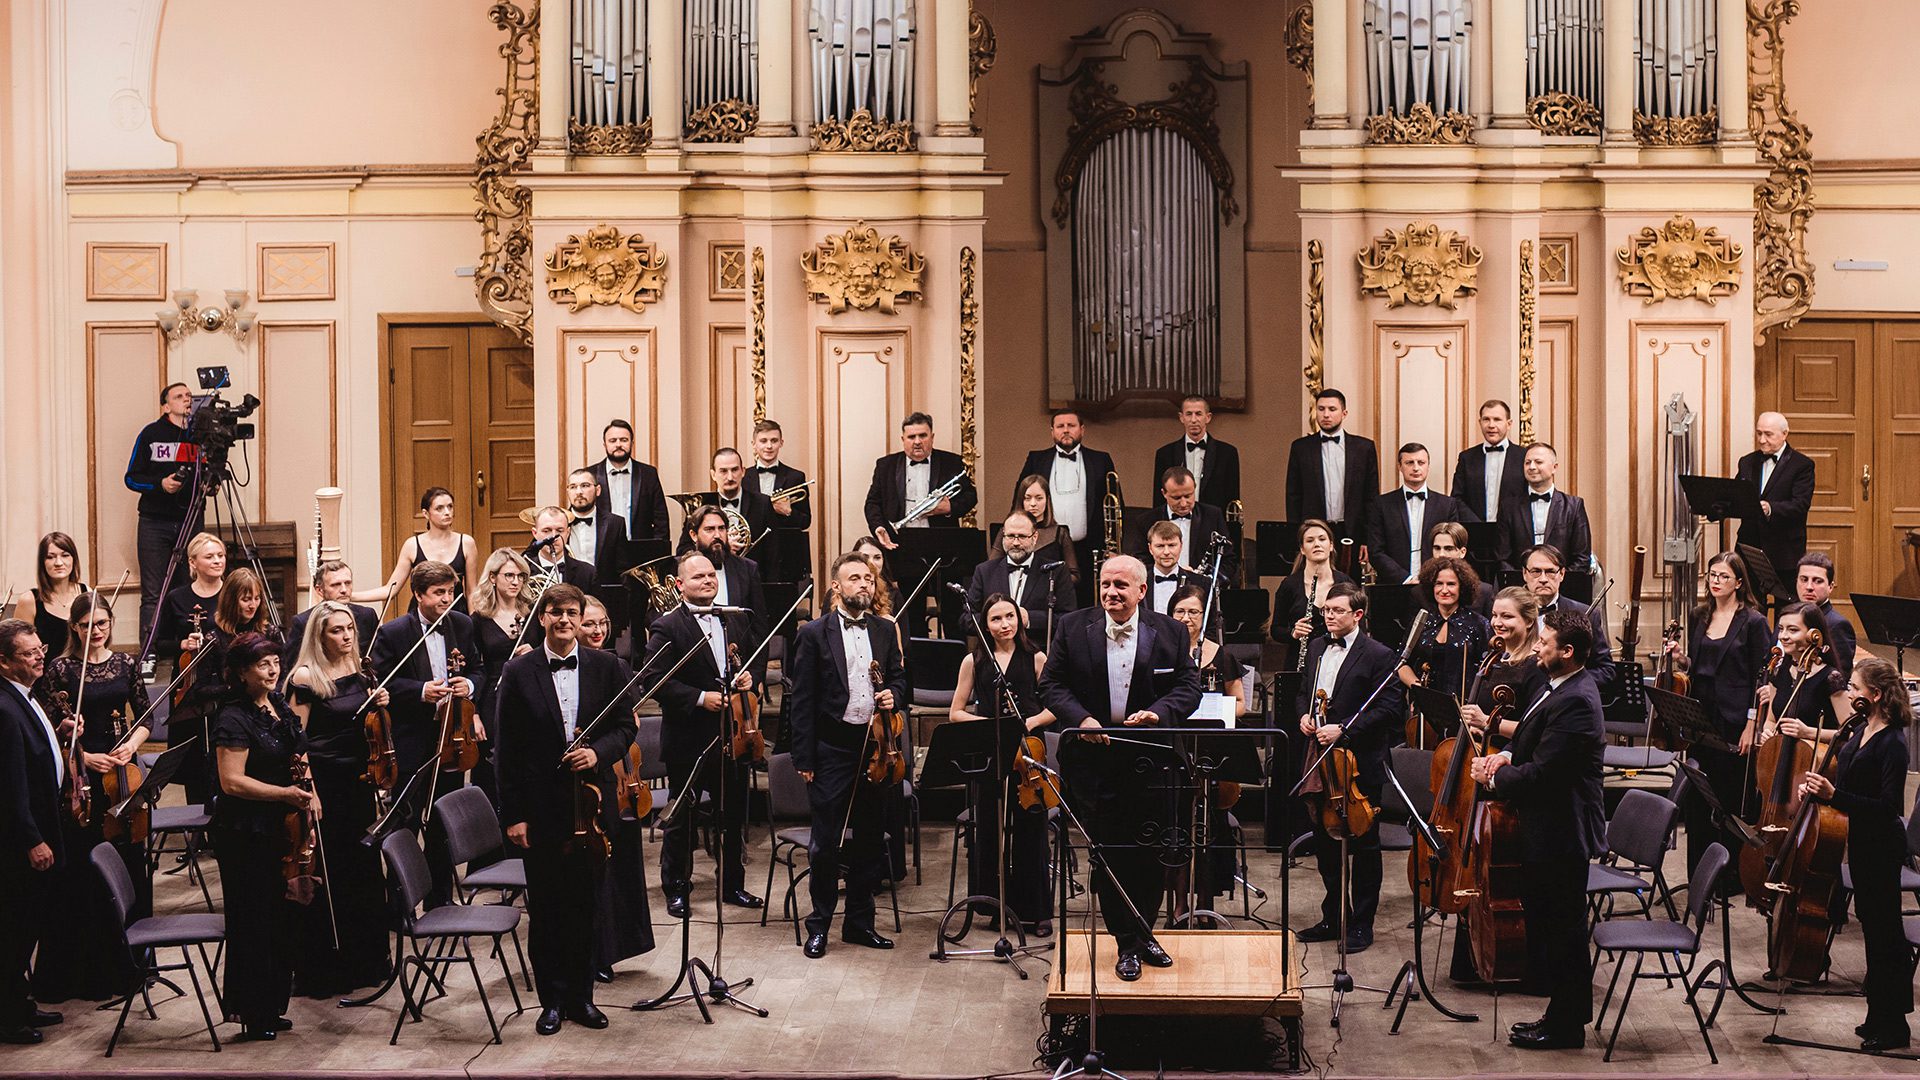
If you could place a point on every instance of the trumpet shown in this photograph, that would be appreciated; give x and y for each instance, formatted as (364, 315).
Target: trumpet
(1236, 512)
(795, 495)
(925, 506)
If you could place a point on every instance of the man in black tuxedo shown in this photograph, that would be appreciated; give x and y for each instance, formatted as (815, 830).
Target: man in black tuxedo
(630, 488)
(1043, 593)
(1813, 583)
(1200, 526)
(738, 578)
(1076, 477)
(902, 479)
(549, 698)
(548, 556)
(1348, 664)
(730, 492)
(693, 707)
(1333, 473)
(1119, 667)
(1487, 476)
(332, 580)
(1400, 522)
(31, 849)
(1545, 570)
(1214, 463)
(1547, 515)
(598, 539)
(831, 708)
(1166, 574)
(792, 514)
(1784, 478)
(1550, 774)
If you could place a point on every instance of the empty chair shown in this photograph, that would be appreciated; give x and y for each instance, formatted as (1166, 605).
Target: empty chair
(935, 663)
(472, 831)
(1636, 847)
(792, 832)
(144, 940)
(1677, 937)
(438, 930)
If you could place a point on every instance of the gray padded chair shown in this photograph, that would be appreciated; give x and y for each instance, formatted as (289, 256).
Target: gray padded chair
(471, 830)
(935, 663)
(145, 938)
(1677, 937)
(1636, 847)
(787, 801)
(438, 930)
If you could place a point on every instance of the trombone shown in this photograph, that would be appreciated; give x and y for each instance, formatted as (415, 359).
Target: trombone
(933, 498)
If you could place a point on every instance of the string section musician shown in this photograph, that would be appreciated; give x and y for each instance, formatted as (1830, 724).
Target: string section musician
(1214, 463)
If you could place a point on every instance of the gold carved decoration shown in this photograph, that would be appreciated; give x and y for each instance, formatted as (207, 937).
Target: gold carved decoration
(1316, 318)
(1783, 202)
(1299, 42)
(758, 346)
(858, 270)
(728, 121)
(982, 50)
(1698, 130)
(969, 368)
(1679, 260)
(861, 132)
(1526, 342)
(609, 139)
(1421, 127)
(726, 270)
(503, 280)
(1560, 263)
(606, 268)
(1420, 264)
(1557, 112)
(1098, 113)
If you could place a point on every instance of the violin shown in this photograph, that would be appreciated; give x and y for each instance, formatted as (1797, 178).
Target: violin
(1666, 676)
(459, 723)
(1030, 781)
(185, 661)
(1454, 794)
(299, 864)
(383, 764)
(886, 762)
(745, 742)
(1804, 882)
(1342, 808)
(589, 835)
(116, 784)
(1776, 768)
(78, 796)
(631, 795)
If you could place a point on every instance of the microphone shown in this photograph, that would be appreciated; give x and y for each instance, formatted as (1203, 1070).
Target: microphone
(1049, 567)
(1413, 634)
(956, 588)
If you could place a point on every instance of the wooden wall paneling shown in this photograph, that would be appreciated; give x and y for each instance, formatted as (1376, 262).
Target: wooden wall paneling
(730, 377)
(1895, 494)
(1668, 358)
(606, 373)
(1420, 388)
(1821, 375)
(126, 367)
(1555, 414)
(299, 420)
(866, 389)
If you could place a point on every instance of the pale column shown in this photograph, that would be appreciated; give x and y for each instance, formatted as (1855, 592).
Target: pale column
(776, 69)
(950, 69)
(1617, 109)
(1733, 72)
(1329, 63)
(1510, 64)
(664, 102)
(556, 64)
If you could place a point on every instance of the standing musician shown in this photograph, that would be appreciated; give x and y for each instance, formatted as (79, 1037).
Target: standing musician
(548, 557)
(693, 706)
(501, 611)
(33, 773)
(1814, 579)
(1454, 641)
(161, 470)
(1221, 674)
(1041, 594)
(1199, 526)
(1550, 776)
(769, 476)
(56, 568)
(1214, 463)
(1491, 474)
(328, 690)
(903, 479)
(1816, 705)
(1449, 541)
(207, 567)
(1547, 515)
(729, 472)
(738, 578)
(239, 609)
(623, 916)
(1784, 478)
(332, 580)
(831, 712)
(1400, 522)
(1348, 664)
(595, 538)
(259, 741)
(1120, 668)
(1077, 482)
(1544, 569)
(596, 626)
(1166, 574)
(1869, 787)
(1295, 617)
(1332, 474)
(630, 489)
(441, 543)
(548, 698)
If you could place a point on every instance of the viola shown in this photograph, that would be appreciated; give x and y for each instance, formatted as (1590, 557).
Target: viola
(184, 686)
(77, 798)
(1667, 676)
(1805, 878)
(745, 741)
(1342, 809)
(383, 764)
(1454, 796)
(1030, 782)
(885, 762)
(631, 795)
(459, 723)
(299, 864)
(116, 784)
(1777, 766)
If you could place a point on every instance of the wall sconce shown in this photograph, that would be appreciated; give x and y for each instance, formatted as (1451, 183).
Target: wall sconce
(184, 319)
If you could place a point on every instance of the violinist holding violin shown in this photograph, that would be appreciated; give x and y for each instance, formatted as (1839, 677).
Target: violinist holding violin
(694, 706)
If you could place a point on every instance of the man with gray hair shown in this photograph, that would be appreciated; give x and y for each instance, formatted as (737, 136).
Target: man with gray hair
(1784, 478)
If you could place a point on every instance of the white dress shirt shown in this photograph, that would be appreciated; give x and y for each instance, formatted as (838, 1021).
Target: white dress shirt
(53, 737)
(1496, 469)
(1067, 483)
(768, 482)
(1766, 468)
(1539, 509)
(859, 648)
(1185, 525)
(1162, 590)
(566, 687)
(1416, 526)
(583, 537)
(714, 630)
(1123, 644)
(1196, 453)
(620, 492)
(1332, 660)
(1017, 574)
(1333, 473)
(919, 484)
(436, 646)
(721, 598)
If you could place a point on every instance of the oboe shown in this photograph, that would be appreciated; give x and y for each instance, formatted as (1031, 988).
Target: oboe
(1313, 591)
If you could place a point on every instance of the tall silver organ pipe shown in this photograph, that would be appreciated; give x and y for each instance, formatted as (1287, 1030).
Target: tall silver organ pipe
(609, 67)
(863, 57)
(1418, 52)
(722, 51)
(1677, 51)
(1565, 48)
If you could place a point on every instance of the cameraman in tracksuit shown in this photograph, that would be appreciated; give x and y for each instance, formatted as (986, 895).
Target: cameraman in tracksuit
(161, 470)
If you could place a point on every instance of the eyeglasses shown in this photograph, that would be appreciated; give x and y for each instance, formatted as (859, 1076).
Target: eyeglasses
(1543, 571)
(510, 575)
(1719, 575)
(31, 654)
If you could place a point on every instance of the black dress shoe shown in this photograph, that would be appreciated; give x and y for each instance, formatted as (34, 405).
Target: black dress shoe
(1861, 1030)
(548, 1023)
(263, 1033)
(677, 906)
(1359, 939)
(866, 938)
(20, 1036)
(816, 946)
(43, 1018)
(1152, 953)
(1128, 966)
(279, 1023)
(743, 898)
(603, 975)
(1547, 1039)
(1525, 1026)
(1885, 1041)
(1321, 931)
(587, 1016)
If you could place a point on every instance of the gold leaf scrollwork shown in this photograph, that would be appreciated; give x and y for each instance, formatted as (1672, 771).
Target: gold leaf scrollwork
(503, 280)
(1421, 126)
(969, 367)
(1678, 260)
(1560, 113)
(861, 132)
(728, 121)
(606, 268)
(1098, 113)
(1420, 264)
(1526, 342)
(1299, 42)
(982, 49)
(606, 140)
(1783, 202)
(857, 269)
(1701, 129)
(1316, 318)
(759, 343)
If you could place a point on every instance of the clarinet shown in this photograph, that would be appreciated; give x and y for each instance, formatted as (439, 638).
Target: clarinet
(1313, 590)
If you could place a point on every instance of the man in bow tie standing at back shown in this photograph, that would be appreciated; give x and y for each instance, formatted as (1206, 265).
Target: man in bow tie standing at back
(1547, 515)
(1332, 474)
(1076, 477)
(1214, 463)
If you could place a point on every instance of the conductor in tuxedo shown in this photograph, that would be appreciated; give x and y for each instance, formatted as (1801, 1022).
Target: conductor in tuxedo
(1332, 474)
(1547, 515)
(629, 488)
(1077, 478)
(693, 707)
(1041, 593)
(1550, 775)
(1784, 478)
(831, 710)
(31, 774)
(1488, 475)
(332, 580)
(1214, 463)
(1120, 668)
(1347, 664)
(549, 698)
(1400, 522)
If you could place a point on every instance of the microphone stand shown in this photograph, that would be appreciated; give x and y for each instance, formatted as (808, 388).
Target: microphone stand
(1415, 969)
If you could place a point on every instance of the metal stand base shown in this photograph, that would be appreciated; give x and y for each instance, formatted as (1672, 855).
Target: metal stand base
(719, 991)
(1003, 951)
(1782, 1040)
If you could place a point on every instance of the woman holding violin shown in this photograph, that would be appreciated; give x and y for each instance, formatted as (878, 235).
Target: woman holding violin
(333, 696)
(259, 823)
(977, 696)
(500, 613)
(1806, 696)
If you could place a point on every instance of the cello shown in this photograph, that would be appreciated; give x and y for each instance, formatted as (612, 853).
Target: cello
(1805, 878)
(1454, 794)
(1495, 878)
(1777, 766)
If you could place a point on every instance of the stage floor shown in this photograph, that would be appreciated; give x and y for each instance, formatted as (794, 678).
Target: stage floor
(867, 1013)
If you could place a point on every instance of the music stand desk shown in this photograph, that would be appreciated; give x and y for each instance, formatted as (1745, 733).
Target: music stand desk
(1716, 497)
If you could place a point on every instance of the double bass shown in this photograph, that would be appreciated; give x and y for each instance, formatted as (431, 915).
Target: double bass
(1804, 881)
(1454, 796)
(1333, 786)
(1777, 766)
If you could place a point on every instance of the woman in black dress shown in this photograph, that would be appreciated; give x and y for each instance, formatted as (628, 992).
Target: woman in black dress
(188, 610)
(1294, 618)
(184, 624)
(48, 606)
(240, 609)
(87, 960)
(440, 542)
(974, 698)
(1869, 787)
(329, 689)
(500, 614)
(257, 740)
(1455, 639)
(1806, 696)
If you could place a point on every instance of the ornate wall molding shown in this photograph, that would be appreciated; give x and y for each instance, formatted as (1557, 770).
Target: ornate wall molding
(969, 369)
(982, 50)
(759, 340)
(1421, 126)
(1783, 202)
(1316, 370)
(1299, 42)
(503, 280)
(606, 268)
(1560, 113)
(1098, 113)
(857, 269)
(1701, 129)
(861, 132)
(1560, 263)
(728, 121)
(129, 271)
(1677, 260)
(1421, 264)
(607, 140)
(726, 270)
(1526, 342)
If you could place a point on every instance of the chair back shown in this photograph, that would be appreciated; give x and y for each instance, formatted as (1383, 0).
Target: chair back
(407, 873)
(113, 873)
(1703, 885)
(935, 664)
(1413, 767)
(1638, 829)
(786, 792)
(468, 823)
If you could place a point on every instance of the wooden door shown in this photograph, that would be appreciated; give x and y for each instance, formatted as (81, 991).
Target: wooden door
(501, 385)
(1893, 485)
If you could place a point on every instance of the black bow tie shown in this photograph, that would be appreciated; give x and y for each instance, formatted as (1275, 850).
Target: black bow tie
(1179, 517)
(1538, 497)
(911, 463)
(1555, 606)
(1020, 566)
(1201, 446)
(1159, 578)
(1337, 643)
(1335, 439)
(854, 624)
(1774, 458)
(622, 471)
(1494, 448)
(1412, 495)
(568, 663)
(1067, 455)
(766, 470)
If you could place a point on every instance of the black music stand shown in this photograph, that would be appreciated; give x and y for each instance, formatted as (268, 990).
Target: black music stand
(1390, 610)
(1285, 818)
(1890, 620)
(159, 774)
(1717, 497)
(1483, 541)
(1686, 721)
(1275, 544)
(1245, 613)
(787, 550)
(1698, 783)
(1208, 760)
(959, 550)
(1437, 708)
(1766, 579)
(968, 754)
(1578, 585)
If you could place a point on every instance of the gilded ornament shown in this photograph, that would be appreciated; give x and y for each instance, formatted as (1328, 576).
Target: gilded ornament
(1420, 264)
(728, 121)
(759, 343)
(1316, 318)
(1678, 260)
(503, 278)
(1783, 202)
(1099, 114)
(1560, 113)
(858, 270)
(982, 47)
(969, 367)
(1299, 41)
(1526, 342)
(606, 268)
(1699, 129)
(1421, 126)
(609, 139)
(861, 132)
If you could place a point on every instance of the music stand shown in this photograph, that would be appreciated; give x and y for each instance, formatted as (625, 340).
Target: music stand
(1245, 613)
(1207, 760)
(1437, 708)
(1890, 620)
(1483, 541)
(960, 550)
(968, 754)
(1578, 585)
(1686, 721)
(1717, 497)
(1275, 544)
(1762, 574)
(1285, 819)
(1389, 611)
(1698, 784)
(159, 775)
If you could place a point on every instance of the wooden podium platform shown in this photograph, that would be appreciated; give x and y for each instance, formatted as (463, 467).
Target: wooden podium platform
(1214, 973)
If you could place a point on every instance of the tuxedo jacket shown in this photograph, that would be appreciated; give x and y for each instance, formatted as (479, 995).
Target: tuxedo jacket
(784, 477)
(1074, 682)
(1219, 471)
(1841, 639)
(1042, 593)
(1567, 529)
(29, 788)
(1600, 664)
(1554, 780)
(686, 728)
(609, 549)
(887, 494)
(1098, 464)
(531, 738)
(1389, 531)
(819, 694)
(1470, 480)
(413, 723)
(1789, 492)
(366, 623)
(646, 510)
(1368, 733)
(573, 572)
(1208, 522)
(1306, 486)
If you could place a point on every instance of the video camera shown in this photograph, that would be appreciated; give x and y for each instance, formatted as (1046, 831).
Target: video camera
(215, 424)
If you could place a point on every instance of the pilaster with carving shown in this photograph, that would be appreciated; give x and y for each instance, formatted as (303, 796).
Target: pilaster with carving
(1783, 202)
(503, 280)
(969, 370)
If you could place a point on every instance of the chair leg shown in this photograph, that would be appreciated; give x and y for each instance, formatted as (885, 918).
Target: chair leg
(768, 891)
(1693, 1002)
(893, 889)
(792, 905)
(201, 998)
(953, 864)
(1600, 1017)
(481, 988)
(126, 1006)
(524, 976)
(1625, 1000)
(406, 995)
(213, 979)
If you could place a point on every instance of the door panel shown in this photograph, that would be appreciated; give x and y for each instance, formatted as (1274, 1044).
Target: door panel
(1896, 483)
(502, 418)
(431, 444)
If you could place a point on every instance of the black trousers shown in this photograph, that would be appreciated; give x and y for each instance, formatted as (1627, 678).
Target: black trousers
(261, 925)
(153, 541)
(1121, 806)
(196, 767)
(836, 784)
(23, 893)
(1876, 900)
(1363, 852)
(343, 945)
(676, 866)
(1555, 904)
(1029, 893)
(561, 889)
